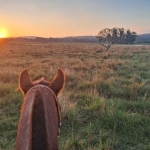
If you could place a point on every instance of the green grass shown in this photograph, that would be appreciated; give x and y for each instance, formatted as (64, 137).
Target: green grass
(108, 124)
(106, 100)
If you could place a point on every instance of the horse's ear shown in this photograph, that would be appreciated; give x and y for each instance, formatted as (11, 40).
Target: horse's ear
(58, 82)
(25, 82)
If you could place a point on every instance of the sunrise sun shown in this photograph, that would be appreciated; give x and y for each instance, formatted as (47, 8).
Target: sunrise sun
(3, 33)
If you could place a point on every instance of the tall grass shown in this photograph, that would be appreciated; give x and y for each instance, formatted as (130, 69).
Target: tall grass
(106, 100)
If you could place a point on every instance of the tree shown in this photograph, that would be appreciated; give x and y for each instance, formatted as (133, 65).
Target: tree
(107, 37)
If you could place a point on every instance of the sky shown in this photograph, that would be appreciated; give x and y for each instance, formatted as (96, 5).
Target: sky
(60, 18)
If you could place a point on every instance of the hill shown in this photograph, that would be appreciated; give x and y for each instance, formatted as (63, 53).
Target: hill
(143, 38)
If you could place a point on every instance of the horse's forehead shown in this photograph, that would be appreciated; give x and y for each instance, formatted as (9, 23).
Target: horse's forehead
(44, 91)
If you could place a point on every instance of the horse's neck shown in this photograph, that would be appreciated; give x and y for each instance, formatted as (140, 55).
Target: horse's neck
(39, 122)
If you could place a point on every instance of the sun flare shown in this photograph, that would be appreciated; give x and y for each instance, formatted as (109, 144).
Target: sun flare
(3, 33)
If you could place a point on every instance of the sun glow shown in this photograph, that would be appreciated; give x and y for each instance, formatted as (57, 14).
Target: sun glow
(3, 33)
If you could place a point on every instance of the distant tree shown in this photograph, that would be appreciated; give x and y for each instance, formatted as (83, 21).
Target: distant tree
(107, 37)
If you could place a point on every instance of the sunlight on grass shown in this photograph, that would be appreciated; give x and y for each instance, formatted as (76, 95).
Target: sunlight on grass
(105, 104)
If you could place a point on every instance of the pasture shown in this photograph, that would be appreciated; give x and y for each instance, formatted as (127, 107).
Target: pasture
(106, 100)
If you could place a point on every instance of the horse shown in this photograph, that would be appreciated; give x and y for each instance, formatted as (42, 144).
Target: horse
(39, 122)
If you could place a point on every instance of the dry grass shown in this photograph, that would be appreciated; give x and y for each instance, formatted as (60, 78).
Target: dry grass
(106, 94)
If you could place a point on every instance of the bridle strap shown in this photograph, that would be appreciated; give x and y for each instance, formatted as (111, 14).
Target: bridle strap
(56, 101)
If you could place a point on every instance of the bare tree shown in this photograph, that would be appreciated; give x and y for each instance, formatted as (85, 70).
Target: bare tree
(107, 37)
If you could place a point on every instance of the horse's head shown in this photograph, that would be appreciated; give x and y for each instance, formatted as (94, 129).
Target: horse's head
(39, 116)
(56, 85)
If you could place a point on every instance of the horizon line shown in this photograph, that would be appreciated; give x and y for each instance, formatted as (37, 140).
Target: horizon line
(30, 36)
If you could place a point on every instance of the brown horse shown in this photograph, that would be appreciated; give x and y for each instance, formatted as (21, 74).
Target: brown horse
(39, 122)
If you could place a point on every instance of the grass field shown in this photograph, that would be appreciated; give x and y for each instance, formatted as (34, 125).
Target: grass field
(106, 100)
